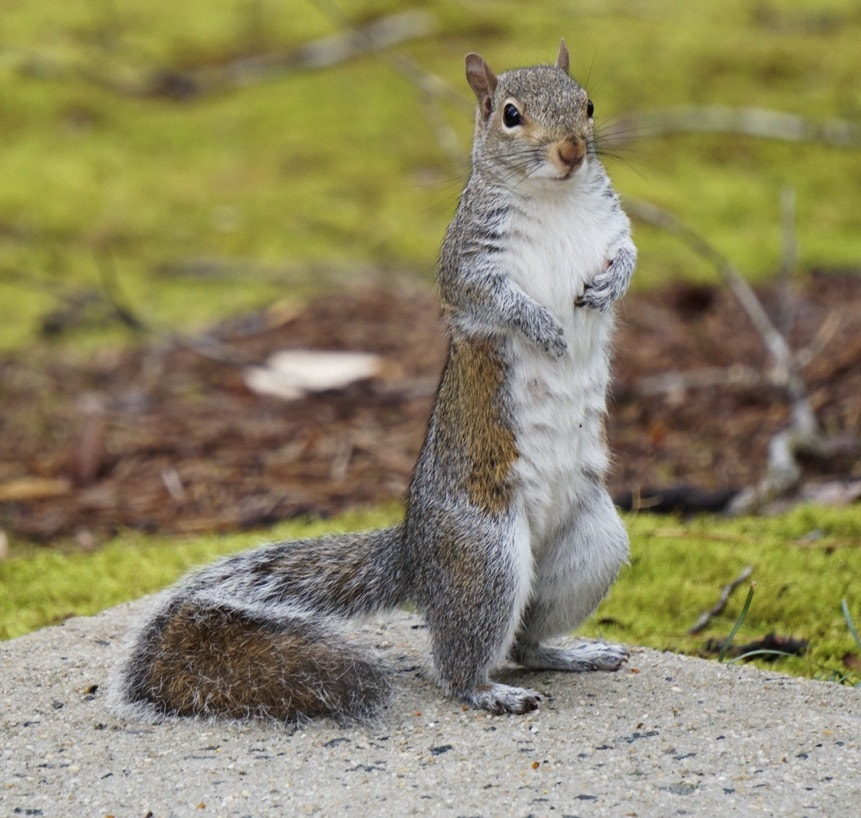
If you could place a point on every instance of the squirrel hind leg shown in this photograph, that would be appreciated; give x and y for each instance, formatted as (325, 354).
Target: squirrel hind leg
(207, 659)
(500, 699)
(578, 658)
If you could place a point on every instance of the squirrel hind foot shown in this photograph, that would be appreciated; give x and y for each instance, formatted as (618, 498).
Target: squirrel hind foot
(583, 657)
(207, 659)
(499, 699)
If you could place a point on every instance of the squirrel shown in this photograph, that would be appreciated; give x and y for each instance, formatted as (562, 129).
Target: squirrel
(509, 535)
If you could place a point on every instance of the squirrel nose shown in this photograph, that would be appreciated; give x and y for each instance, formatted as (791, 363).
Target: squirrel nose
(570, 153)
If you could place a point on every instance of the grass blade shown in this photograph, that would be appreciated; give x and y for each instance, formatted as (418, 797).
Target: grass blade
(738, 623)
(850, 624)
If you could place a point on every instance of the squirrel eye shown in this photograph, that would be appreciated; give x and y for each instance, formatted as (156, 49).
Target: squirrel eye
(511, 116)
(590, 108)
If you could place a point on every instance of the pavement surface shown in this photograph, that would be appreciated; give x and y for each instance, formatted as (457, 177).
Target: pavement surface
(667, 735)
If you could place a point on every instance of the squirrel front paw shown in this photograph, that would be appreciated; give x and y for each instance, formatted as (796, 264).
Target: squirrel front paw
(556, 345)
(595, 298)
(547, 332)
(610, 284)
(601, 293)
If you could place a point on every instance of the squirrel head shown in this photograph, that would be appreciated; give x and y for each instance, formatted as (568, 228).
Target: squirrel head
(531, 122)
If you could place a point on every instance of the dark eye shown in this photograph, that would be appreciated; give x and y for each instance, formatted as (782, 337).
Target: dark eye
(590, 108)
(511, 116)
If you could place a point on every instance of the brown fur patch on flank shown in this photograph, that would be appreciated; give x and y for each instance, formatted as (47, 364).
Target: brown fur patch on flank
(469, 409)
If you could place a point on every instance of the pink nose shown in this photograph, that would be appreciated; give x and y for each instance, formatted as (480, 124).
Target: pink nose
(570, 153)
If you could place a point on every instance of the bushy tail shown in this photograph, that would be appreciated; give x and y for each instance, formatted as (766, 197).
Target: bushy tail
(255, 635)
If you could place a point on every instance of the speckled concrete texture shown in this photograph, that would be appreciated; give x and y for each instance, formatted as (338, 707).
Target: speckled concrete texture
(665, 736)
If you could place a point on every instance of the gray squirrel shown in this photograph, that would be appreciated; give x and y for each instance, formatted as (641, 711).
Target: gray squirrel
(509, 535)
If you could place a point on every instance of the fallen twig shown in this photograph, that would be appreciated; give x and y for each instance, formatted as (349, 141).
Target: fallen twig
(674, 500)
(718, 607)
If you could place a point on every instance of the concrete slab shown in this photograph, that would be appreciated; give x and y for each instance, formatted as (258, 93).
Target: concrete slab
(668, 735)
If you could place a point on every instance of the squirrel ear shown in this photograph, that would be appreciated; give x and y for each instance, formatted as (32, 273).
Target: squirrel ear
(482, 81)
(562, 60)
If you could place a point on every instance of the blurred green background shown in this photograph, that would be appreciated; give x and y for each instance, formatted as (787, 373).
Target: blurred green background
(200, 205)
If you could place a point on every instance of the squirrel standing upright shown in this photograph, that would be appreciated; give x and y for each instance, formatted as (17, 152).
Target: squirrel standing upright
(509, 535)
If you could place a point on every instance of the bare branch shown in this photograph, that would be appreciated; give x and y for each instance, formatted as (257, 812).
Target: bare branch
(432, 87)
(323, 53)
(803, 434)
(775, 342)
(788, 259)
(824, 335)
(434, 90)
(756, 122)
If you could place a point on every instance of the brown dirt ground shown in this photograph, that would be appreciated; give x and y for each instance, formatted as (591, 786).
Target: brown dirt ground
(160, 438)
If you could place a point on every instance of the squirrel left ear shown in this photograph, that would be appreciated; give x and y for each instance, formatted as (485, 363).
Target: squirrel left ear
(562, 62)
(483, 81)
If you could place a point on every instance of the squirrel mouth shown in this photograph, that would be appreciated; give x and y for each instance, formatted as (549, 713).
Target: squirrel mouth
(568, 173)
(567, 156)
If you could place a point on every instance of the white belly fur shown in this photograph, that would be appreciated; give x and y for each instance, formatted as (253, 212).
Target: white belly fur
(560, 403)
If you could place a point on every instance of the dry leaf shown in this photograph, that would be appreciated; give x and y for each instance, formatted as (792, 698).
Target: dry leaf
(293, 373)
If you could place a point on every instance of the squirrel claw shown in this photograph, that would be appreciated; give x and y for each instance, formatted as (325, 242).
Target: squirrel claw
(581, 301)
(597, 297)
(558, 346)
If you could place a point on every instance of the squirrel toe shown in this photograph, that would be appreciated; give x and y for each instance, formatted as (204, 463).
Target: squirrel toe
(558, 346)
(500, 699)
